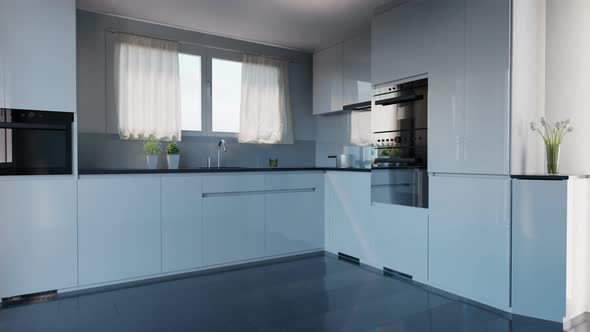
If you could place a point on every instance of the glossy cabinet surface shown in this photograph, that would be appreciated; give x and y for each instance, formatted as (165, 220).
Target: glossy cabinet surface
(348, 206)
(233, 218)
(356, 69)
(119, 221)
(539, 248)
(38, 55)
(397, 239)
(294, 213)
(469, 237)
(182, 222)
(401, 44)
(38, 243)
(327, 80)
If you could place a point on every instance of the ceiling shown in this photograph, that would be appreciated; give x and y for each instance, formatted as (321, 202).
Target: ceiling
(305, 25)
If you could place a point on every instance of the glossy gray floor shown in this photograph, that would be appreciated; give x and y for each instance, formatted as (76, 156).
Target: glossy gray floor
(310, 294)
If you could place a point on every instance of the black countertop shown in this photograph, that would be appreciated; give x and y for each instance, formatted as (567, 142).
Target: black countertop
(547, 177)
(99, 171)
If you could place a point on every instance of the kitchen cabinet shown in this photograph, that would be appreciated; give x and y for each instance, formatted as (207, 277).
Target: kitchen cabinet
(469, 118)
(294, 212)
(182, 222)
(356, 69)
(401, 42)
(38, 55)
(327, 80)
(469, 237)
(539, 248)
(233, 218)
(119, 227)
(463, 47)
(37, 235)
(348, 207)
(397, 238)
(342, 75)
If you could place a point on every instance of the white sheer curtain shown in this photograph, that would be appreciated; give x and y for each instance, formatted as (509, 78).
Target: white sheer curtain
(147, 88)
(265, 115)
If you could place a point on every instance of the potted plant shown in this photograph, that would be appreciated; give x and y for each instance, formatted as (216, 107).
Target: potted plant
(173, 155)
(152, 148)
(552, 137)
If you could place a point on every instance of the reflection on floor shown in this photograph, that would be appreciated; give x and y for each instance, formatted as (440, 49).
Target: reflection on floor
(311, 294)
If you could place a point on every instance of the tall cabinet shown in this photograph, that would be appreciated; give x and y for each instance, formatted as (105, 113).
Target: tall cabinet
(38, 55)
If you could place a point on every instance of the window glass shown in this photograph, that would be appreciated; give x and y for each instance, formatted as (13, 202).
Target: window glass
(226, 95)
(189, 67)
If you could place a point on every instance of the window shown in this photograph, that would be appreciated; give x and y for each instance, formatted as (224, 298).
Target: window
(189, 67)
(226, 95)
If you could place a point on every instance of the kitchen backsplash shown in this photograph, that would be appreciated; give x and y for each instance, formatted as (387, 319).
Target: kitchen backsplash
(109, 151)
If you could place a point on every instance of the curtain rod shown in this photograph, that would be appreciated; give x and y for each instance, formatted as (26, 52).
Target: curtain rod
(202, 45)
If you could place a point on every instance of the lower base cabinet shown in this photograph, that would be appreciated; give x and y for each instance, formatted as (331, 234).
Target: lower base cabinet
(233, 218)
(294, 213)
(469, 237)
(119, 220)
(38, 230)
(398, 240)
(182, 222)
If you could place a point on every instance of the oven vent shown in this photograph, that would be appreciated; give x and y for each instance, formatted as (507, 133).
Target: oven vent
(348, 258)
(393, 273)
(29, 298)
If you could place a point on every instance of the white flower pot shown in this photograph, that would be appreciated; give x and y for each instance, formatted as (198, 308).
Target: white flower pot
(173, 160)
(152, 161)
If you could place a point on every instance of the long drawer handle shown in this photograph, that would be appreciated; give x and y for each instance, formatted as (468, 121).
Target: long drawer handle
(258, 192)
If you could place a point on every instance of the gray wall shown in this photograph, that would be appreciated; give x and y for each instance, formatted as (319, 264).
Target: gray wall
(99, 145)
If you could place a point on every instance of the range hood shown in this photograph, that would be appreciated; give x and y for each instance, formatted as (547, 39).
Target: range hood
(363, 106)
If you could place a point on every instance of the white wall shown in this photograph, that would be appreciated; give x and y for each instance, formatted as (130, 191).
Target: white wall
(568, 78)
(528, 84)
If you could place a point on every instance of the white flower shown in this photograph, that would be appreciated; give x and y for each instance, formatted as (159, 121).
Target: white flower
(543, 122)
(570, 129)
(567, 121)
(557, 124)
(533, 126)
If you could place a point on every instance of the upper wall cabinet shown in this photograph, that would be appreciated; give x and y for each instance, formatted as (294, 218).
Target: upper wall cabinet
(464, 49)
(342, 75)
(38, 55)
(400, 45)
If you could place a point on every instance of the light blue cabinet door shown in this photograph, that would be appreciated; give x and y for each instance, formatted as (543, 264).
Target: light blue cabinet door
(233, 228)
(182, 222)
(327, 80)
(348, 206)
(356, 69)
(487, 87)
(397, 238)
(119, 227)
(38, 55)
(37, 235)
(539, 248)
(469, 111)
(401, 42)
(233, 218)
(294, 212)
(469, 237)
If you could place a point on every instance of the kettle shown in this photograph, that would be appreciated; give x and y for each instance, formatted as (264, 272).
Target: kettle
(343, 160)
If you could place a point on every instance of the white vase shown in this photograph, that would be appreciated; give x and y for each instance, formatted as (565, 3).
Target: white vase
(152, 161)
(173, 160)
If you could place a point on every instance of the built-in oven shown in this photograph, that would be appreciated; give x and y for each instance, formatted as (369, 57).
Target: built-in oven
(399, 120)
(35, 142)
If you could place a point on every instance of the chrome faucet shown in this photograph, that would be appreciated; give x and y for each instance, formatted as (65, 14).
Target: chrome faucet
(220, 145)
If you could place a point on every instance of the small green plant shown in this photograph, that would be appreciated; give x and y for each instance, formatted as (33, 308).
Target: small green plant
(152, 146)
(172, 148)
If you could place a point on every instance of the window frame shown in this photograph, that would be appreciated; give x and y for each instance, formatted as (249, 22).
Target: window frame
(207, 55)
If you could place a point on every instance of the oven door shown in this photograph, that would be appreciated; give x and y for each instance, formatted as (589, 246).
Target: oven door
(35, 146)
(400, 186)
(400, 110)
